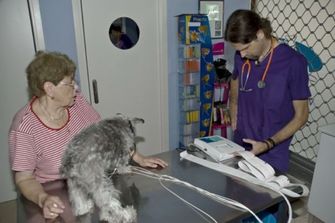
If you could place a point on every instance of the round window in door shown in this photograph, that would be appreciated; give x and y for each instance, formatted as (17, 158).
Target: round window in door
(124, 33)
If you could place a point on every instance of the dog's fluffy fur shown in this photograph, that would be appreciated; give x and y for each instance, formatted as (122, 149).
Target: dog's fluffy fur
(90, 156)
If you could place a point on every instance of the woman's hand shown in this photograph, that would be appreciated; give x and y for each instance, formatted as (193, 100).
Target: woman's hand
(52, 207)
(258, 147)
(152, 162)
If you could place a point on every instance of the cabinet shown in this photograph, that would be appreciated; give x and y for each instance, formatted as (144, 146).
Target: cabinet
(221, 118)
(189, 92)
(221, 124)
(321, 200)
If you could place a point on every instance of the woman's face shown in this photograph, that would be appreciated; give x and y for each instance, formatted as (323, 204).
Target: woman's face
(65, 91)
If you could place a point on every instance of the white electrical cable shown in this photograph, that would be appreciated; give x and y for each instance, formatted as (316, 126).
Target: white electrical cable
(239, 174)
(196, 209)
(146, 173)
(218, 198)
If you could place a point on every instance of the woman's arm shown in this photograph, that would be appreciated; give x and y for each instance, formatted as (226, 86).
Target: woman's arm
(152, 162)
(32, 190)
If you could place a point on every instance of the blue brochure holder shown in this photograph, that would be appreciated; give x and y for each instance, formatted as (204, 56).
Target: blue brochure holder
(194, 29)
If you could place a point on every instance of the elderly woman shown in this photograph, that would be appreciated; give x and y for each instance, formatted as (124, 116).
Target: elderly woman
(41, 129)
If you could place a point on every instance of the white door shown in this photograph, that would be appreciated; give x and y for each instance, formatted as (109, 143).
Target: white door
(16, 51)
(134, 81)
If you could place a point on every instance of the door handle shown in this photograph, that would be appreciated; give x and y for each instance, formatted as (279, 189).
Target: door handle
(95, 91)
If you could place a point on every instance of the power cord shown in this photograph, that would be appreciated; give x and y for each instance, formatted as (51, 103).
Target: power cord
(218, 198)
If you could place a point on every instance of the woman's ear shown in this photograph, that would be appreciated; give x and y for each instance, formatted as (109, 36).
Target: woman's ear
(49, 88)
(260, 34)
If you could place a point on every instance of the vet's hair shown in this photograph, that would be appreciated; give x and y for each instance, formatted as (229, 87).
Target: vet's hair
(242, 27)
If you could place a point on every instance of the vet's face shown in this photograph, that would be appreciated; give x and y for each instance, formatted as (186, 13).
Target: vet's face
(253, 49)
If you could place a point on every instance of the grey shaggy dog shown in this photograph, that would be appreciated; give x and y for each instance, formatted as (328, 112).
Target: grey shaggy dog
(91, 156)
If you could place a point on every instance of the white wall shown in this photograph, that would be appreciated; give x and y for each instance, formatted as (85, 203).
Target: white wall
(16, 50)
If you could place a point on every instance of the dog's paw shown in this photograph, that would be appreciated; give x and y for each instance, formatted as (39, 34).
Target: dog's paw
(121, 215)
(81, 207)
(86, 218)
(130, 214)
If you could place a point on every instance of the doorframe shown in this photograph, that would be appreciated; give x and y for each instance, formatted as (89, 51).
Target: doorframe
(36, 24)
(162, 69)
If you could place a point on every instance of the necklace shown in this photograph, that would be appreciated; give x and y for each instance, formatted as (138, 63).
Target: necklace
(51, 117)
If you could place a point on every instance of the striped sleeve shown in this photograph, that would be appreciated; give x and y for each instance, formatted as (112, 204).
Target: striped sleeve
(87, 109)
(22, 152)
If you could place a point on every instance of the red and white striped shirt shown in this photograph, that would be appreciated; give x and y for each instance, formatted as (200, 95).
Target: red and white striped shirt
(35, 147)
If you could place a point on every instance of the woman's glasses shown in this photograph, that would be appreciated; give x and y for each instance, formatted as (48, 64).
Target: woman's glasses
(73, 84)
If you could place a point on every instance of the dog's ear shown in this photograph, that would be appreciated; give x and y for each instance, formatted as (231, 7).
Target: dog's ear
(134, 121)
(120, 115)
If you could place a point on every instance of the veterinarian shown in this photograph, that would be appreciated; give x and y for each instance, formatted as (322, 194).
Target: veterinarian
(269, 89)
(41, 130)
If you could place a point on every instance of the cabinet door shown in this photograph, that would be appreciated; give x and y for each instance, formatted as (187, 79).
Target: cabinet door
(133, 81)
(16, 51)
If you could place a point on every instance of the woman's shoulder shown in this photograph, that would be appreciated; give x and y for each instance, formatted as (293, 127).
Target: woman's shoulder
(84, 108)
(24, 118)
(81, 99)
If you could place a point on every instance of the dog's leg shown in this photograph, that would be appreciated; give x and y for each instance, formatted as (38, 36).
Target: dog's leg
(82, 204)
(86, 218)
(106, 198)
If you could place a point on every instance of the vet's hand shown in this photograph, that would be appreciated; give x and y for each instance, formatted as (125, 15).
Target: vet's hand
(152, 162)
(52, 207)
(258, 147)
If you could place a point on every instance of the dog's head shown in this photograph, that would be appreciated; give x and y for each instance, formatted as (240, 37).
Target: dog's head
(108, 144)
(123, 134)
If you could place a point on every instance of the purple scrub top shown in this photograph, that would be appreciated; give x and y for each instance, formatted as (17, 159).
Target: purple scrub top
(262, 112)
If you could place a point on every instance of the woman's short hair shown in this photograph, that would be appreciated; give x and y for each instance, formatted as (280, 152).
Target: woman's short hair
(48, 66)
(242, 26)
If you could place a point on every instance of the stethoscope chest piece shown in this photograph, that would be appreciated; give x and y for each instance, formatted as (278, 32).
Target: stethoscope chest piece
(261, 84)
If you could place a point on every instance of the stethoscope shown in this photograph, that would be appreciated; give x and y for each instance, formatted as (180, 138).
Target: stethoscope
(261, 83)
